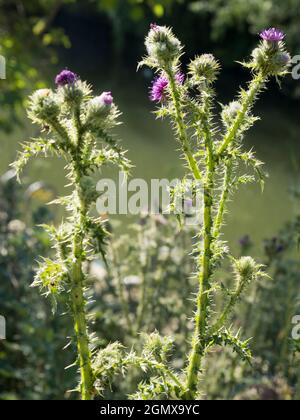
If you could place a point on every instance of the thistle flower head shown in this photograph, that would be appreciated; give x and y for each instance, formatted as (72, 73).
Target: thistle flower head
(159, 89)
(157, 347)
(281, 60)
(245, 242)
(106, 98)
(160, 85)
(71, 90)
(44, 106)
(230, 112)
(272, 35)
(271, 61)
(271, 57)
(154, 27)
(180, 78)
(162, 46)
(247, 270)
(274, 247)
(66, 78)
(99, 108)
(204, 68)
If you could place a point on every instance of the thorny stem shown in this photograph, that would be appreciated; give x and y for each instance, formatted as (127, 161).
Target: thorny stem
(77, 290)
(202, 300)
(181, 129)
(80, 322)
(224, 197)
(225, 314)
(249, 97)
(61, 131)
(160, 367)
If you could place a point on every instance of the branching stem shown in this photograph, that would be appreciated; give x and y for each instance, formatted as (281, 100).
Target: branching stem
(248, 99)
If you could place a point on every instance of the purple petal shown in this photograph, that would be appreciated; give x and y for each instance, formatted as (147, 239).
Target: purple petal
(272, 35)
(66, 77)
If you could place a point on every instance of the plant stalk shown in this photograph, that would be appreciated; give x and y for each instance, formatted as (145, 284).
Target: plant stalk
(78, 278)
(202, 301)
(79, 313)
(193, 165)
(248, 100)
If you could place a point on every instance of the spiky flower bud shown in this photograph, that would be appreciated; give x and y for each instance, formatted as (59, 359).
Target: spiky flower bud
(270, 57)
(99, 108)
(204, 68)
(162, 46)
(156, 346)
(66, 78)
(72, 94)
(281, 61)
(246, 270)
(71, 89)
(230, 112)
(44, 106)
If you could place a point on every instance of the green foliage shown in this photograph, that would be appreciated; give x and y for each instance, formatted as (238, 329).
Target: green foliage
(211, 158)
(31, 363)
(31, 21)
(146, 271)
(153, 361)
(240, 15)
(79, 132)
(266, 313)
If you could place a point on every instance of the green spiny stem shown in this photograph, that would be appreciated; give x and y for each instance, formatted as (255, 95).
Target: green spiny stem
(202, 301)
(154, 365)
(77, 290)
(198, 340)
(225, 314)
(181, 128)
(224, 197)
(61, 132)
(79, 311)
(248, 100)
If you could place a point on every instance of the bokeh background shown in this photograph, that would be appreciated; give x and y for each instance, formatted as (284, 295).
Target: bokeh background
(102, 41)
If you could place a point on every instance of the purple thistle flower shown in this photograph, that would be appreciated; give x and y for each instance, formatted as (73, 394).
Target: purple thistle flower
(180, 78)
(160, 85)
(106, 98)
(158, 90)
(154, 26)
(66, 78)
(245, 241)
(272, 35)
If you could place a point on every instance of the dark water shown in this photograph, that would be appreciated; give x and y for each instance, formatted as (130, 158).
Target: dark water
(152, 149)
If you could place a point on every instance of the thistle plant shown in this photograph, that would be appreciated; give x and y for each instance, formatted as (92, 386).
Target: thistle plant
(76, 127)
(214, 157)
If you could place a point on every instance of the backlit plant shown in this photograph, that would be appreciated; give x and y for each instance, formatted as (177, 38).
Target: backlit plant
(76, 127)
(213, 157)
